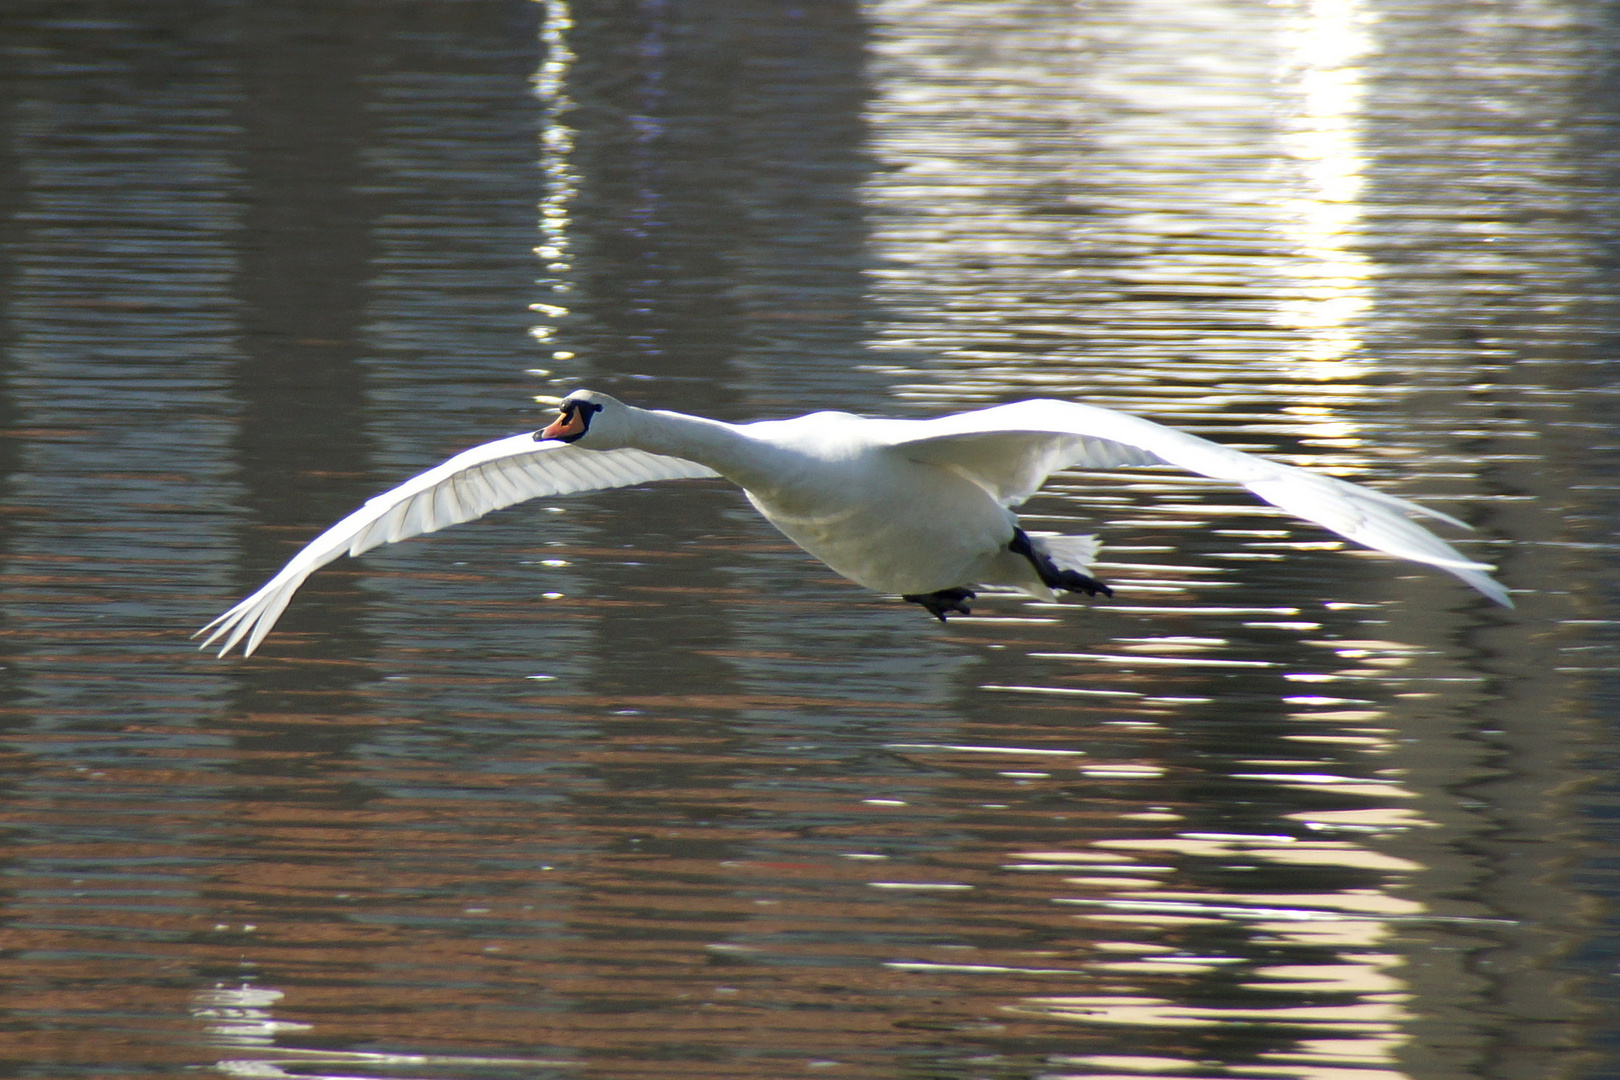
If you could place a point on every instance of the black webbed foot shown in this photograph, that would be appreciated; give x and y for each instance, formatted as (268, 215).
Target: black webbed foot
(1051, 575)
(938, 603)
(1075, 581)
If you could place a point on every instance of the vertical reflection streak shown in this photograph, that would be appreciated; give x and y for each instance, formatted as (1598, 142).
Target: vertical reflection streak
(1324, 45)
(560, 179)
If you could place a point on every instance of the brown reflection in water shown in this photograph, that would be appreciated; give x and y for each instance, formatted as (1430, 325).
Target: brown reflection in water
(691, 888)
(646, 881)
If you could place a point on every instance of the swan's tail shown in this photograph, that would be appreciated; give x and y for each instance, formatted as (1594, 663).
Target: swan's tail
(1075, 553)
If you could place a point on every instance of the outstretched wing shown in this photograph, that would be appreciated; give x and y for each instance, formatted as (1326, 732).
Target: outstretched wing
(468, 486)
(1009, 450)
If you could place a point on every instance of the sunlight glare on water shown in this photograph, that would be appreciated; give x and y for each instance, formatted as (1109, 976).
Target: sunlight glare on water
(1271, 188)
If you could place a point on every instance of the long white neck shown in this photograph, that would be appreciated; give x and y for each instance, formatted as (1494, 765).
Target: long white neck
(725, 448)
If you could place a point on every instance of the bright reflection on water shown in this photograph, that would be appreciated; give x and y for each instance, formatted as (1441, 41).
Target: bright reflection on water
(1324, 51)
(624, 785)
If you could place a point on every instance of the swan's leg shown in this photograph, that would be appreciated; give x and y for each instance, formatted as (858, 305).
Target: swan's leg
(1051, 575)
(938, 603)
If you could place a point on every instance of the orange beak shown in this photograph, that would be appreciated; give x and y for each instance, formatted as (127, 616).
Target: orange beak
(569, 423)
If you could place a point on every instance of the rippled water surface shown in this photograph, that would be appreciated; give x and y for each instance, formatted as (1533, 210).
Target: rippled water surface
(627, 786)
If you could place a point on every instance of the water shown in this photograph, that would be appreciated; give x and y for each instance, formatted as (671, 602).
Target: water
(625, 785)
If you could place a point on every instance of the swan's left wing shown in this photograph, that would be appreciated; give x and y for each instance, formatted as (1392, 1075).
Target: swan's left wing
(1009, 450)
(469, 485)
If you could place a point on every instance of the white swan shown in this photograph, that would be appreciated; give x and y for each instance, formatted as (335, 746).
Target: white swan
(915, 507)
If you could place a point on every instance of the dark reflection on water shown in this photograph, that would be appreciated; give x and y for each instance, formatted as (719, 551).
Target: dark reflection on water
(624, 785)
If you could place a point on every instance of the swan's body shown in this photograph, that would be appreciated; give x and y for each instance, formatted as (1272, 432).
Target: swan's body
(915, 507)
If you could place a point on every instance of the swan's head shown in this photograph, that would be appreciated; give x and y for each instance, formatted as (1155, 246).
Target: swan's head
(592, 419)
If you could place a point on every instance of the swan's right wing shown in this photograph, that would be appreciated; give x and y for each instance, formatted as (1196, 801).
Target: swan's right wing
(469, 485)
(1011, 449)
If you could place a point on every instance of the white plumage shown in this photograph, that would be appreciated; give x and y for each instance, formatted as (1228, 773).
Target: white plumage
(916, 507)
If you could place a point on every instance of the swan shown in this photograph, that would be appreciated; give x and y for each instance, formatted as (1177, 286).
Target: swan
(919, 508)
